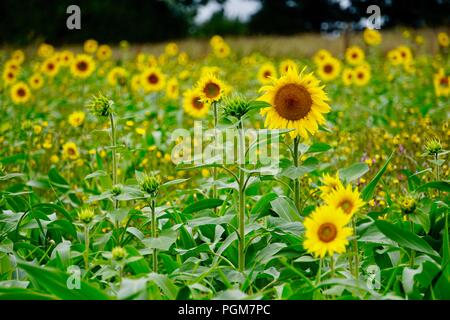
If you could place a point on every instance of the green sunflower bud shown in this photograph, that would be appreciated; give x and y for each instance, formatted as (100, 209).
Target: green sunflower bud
(151, 184)
(101, 106)
(116, 190)
(118, 253)
(236, 106)
(433, 147)
(86, 215)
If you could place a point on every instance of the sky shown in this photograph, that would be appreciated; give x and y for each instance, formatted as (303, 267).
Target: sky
(241, 9)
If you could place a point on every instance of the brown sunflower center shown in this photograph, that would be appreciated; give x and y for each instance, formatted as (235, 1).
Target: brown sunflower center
(360, 75)
(21, 92)
(346, 205)
(50, 66)
(82, 66)
(211, 90)
(327, 232)
(328, 68)
(197, 103)
(293, 102)
(444, 81)
(266, 74)
(153, 78)
(354, 55)
(71, 151)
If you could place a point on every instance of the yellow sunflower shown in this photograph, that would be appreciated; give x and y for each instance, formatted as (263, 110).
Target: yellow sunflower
(76, 118)
(372, 37)
(9, 76)
(394, 57)
(193, 104)
(405, 54)
(20, 93)
(297, 101)
(36, 81)
(286, 64)
(441, 84)
(117, 75)
(354, 55)
(171, 49)
(321, 55)
(104, 52)
(266, 72)
(90, 46)
(362, 75)
(172, 88)
(329, 69)
(326, 231)
(82, 66)
(329, 184)
(211, 88)
(45, 50)
(50, 67)
(70, 151)
(222, 50)
(136, 83)
(152, 79)
(443, 39)
(66, 58)
(345, 198)
(18, 56)
(347, 76)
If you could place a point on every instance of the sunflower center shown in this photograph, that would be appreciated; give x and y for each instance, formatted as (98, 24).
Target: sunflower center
(153, 78)
(21, 92)
(293, 102)
(327, 232)
(266, 74)
(51, 66)
(360, 75)
(328, 68)
(197, 103)
(71, 151)
(346, 205)
(354, 55)
(444, 81)
(82, 66)
(211, 90)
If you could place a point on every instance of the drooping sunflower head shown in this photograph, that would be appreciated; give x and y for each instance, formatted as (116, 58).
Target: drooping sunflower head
(211, 88)
(152, 79)
(297, 101)
(82, 66)
(104, 52)
(326, 231)
(287, 64)
(20, 93)
(329, 184)
(266, 73)
(36, 81)
(372, 37)
(346, 199)
(354, 55)
(329, 69)
(193, 104)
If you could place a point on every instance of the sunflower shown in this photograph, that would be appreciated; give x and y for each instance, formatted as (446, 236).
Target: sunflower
(76, 118)
(329, 184)
(286, 64)
(45, 50)
(441, 83)
(216, 40)
(152, 79)
(211, 88)
(20, 93)
(394, 57)
(266, 72)
(372, 37)
(66, 58)
(90, 46)
(9, 76)
(171, 49)
(50, 67)
(329, 69)
(70, 151)
(443, 39)
(347, 76)
(36, 81)
(12, 65)
(82, 66)
(183, 58)
(18, 56)
(362, 75)
(193, 104)
(297, 102)
(405, 54)
(172, 88)
(345, 198)
(321, 55)
(136, 83)
(222, 50)
(326, 231)
(104, 52)
(117, 75)
(354, 55)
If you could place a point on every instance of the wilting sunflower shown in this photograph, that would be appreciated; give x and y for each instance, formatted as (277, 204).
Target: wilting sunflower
(326, 231)
(443, 39)
(70, 151)
(329, 69)
(362, 75)
(211, 88)
(172, 88)
(347, 76)
(20, 93)
(287, 64)
(82, 66)
(266, 72)
(329, 184)
(441, 83)
(9, 76)
(321, 55)
(36, 81)
(90, 46)
(117, 75)
(152, 79)
(104, 52)
(297, 101)
(66, 58)
(193, 104)
(372, 37)
(354, 55)
(76, 118)
(50, 67)
(346, 199)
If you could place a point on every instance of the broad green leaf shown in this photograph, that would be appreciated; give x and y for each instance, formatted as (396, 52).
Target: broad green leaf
(285, 208)
(369, 190)
(355, 171)
(202, 205)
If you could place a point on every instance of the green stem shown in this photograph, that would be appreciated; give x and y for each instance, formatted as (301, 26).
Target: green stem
(86, 248)
(332, 266)
(214, 188)
(154, 235)
(114, 169)
(241, 210)
(355, 249)
(319, 272)
(297, 180)
(413, 253)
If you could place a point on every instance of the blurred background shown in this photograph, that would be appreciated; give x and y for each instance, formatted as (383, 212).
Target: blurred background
(148, 21)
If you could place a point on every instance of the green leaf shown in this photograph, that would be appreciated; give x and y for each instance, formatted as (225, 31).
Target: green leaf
(202, 205)
(285, 208)
(57, 180)
(163, 242)
(263, 204)
(439, 185)
(98, 173)
(369, 190)
(355, 171)
(318, 147)
(405, 238)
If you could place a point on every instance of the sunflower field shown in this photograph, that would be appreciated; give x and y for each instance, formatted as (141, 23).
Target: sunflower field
(107, 191)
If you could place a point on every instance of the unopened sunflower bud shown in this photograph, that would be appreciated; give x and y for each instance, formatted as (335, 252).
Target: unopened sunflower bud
(101, 106)
(151, 184)
(116, 190)
(433, 147)
(86, 215)
(407, 204)
(118, 253)
(236, 106)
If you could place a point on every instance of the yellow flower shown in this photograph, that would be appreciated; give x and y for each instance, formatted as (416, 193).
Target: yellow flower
(326, 231)
(361, 75)
(266, 73)
(222, 50)
(354, 55)
(90, 46)
(82, 66)
(394, 57)
(405, 54)
(70, 151)
(36, 81)
(443, 39)
(76, 118)
(171, 49)
(50, 67)
(441, 84)
(193, 104)
(20, 93)
(54, 159)
(211, 88)
(286, 64)
(117, 75)
(140, 131)
(66, 58)
(321, 55)
(372, 37)
(345, 198)
(152, 79)
(297, 102)
(347, 76)
(104, 52)
(45, 50)
(330, 184)
(172, 90)
(329, 69)
(9, 76)
(135, 82)
(18, 56)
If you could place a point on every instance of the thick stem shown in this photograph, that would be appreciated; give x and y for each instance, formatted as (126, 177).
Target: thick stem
(413, 253)
(86, 248)
(355, 249)
(297, 180)
(241, 210)
(154, 235)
